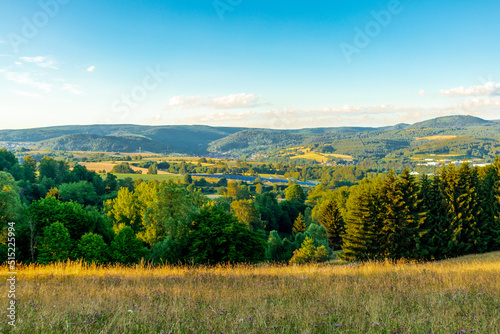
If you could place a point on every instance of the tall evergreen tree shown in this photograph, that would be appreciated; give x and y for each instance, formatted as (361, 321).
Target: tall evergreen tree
(463, 210)
(433, 240)
(400, 216)
(489, 205)
(332, 220)
(299, 225)
(359, 242)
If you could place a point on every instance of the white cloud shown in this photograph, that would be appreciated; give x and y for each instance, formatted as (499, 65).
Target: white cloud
(348, 115)
(91, 68)
(155, 119)
(3, 42)
(421, 92)
(71, 89)
(43, 62)
(480, 103)
(233, 101)
(490, 88)
(221, 117)
(32, 95)
(25, 78)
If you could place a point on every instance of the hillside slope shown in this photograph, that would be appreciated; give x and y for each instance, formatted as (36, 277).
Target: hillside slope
(91, 142)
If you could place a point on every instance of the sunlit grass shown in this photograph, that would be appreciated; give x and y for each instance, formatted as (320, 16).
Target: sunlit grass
(450, 296)
(149, 177)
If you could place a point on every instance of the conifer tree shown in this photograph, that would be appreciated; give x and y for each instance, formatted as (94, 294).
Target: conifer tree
(463, 210)
(433, 240)
(487, 198)
(400, 216)
(299, 225)
(332, 220)
(359, 242)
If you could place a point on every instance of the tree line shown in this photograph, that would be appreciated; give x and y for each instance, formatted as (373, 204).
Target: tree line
(63, 213)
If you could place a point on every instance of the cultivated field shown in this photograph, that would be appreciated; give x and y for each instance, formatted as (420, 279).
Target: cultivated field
(432, 138)
(454, 296)
(320, 157)
(148, 177)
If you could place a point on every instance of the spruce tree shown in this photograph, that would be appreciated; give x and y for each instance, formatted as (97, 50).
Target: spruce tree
(433, 240)
(332, 220)
(400, 216)
(488, 201)
(360, 240)
(460, 188)
(299, 225)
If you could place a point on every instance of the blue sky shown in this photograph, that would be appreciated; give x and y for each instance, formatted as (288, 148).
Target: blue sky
(247, 62)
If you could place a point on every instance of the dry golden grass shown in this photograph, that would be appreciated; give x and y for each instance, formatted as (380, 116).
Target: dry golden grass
(436, 137)
(108, 166)
(322, 157)
(454, 296)
(98, 166)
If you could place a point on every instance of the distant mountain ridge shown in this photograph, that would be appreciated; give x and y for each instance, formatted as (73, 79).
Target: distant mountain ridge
(452, 122)
(92, 142)
(201, 139)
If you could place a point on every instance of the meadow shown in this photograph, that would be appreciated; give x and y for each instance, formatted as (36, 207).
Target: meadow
(453, 296)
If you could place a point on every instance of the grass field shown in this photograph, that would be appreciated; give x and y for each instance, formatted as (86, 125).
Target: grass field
(149, 177)
(432, 138)
(108, 166)
(454, 296)
(322, 157)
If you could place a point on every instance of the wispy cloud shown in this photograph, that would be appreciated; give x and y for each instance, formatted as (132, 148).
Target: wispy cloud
(27, 94)
(221, 117)
(480, 103)
(488, 89)
(71, 89)
(233, 101)
(25, 78)
(43, 62)
(348, 115)
(91, 68)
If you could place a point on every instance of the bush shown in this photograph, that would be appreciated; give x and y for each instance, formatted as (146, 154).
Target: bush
(309, 253)
(166, 251)
(123, 168)
(92, 248)
(55, 245)
(278, 250)
(217, 236)
(126, 248)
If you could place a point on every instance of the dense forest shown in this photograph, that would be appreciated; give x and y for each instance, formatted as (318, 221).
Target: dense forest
(58, 212)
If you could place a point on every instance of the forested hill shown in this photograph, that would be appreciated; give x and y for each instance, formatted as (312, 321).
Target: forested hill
(453, 122)
(92, 142)
(440, 135)
(157, 139)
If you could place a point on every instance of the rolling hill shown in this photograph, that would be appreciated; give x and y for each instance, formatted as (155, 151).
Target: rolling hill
(92, 142)
(452, 122)
(458, 133)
